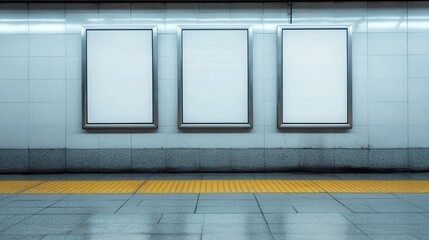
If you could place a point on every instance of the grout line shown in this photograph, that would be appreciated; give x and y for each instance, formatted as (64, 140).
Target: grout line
(196, 205)
(263, 215)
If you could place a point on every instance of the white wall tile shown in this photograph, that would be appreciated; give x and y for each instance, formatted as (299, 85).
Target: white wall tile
(387, 89)
(47, 45)
(387, 113)
(360, 44)
(14, 137)
(351, 13)
(357, 137)
(418, 89)
(419, 136)
(74, 115)
(167, 45)
(324, 139)
(270, 66)
(387, 66)
(47, 68)
(13, 91)
(73, 91)
(360, 101)
(418, 66)
(387, 16)
(167, 68)
(387, 43)
(270, 89)
(74, 68)
(270, 44)
(110, 139)
(47, 114)
(360, 66)
(417, 16)
(47, 91)
(75, 21)
(418, 113)
(117, 17)
(73, 45)
(14, 23)
(77, 137)
(14, 114)
(149, 139)
(47, 137)
(47, 23)
(13, 45)
(418, 43)
(388, 136)
(13, 68)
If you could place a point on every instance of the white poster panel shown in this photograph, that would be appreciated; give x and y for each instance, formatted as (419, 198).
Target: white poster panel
(315, 78)
(119, 78)
(215, 78)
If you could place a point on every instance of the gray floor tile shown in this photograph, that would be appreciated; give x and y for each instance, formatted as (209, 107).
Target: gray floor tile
(56, 219)
(89, 203)
(395, 208)
(78, 210)
(37, 197)
(68, 176)
(98, 197)
(244, 209)
(156, 209)
(29, 204)
(226, 203)
(341, 196)
(182, 218)
(39, 229)
(278, 208)
(241, 236)
(387, 218)
(126, 176)
(310, 218)
(22, 237)
(176, 176)
(392, 237)
(225, 196)
(394, 229)
(168, 202)
(341, 236)
(235, 228)
(345, 229)
(227, 176)
(123, 218)
(16, 211)
(166, 196)
(165, 228)
(97, 228)
(234, 218)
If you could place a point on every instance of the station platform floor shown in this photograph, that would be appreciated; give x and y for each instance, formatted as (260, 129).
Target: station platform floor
(253, 206)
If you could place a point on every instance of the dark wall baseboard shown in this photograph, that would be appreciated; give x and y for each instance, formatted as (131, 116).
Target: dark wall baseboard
(212, 160)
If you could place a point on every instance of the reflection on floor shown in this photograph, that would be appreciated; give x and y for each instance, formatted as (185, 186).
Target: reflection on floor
(251, 215)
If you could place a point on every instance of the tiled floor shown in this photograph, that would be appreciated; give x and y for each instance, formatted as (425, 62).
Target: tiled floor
(255, 216)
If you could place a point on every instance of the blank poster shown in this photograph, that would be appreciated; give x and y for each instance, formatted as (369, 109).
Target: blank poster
(215, 76)
(119, 77)
(315, 75)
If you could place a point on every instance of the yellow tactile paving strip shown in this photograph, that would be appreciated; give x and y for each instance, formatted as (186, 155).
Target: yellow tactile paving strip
(215, 186)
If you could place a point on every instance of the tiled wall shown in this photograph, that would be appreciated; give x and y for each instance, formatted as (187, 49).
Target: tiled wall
(40, 74)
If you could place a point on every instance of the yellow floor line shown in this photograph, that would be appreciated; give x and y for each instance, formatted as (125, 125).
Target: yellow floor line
(215, 186)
